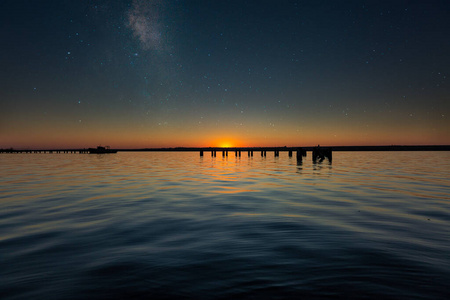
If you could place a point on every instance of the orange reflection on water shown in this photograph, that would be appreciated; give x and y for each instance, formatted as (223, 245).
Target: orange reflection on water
(232, 190)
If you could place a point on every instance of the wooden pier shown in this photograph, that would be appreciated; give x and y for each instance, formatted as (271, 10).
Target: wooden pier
(300, 152)
(98, 150)
(46, 151)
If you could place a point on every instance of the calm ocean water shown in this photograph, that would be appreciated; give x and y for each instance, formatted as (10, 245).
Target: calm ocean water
(176, 226)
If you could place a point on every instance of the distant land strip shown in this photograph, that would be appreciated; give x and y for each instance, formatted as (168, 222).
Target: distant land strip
(191, 149)
(309, 148)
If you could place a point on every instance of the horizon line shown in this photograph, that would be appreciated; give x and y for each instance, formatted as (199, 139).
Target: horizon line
(286, 148)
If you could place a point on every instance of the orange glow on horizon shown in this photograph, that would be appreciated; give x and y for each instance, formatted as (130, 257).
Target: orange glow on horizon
(225, 142)
(45, 136)
(226, 145)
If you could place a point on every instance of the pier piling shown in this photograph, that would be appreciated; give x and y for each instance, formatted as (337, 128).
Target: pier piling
(320, 154)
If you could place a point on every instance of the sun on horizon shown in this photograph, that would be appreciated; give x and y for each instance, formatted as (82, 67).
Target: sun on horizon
(226, 145)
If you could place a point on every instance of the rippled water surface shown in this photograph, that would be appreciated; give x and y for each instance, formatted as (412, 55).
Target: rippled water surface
(174, 225)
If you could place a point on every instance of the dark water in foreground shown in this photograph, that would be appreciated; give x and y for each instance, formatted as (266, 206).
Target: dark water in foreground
(174, 225)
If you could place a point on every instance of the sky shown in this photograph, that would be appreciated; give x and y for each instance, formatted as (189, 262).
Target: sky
(154, 73)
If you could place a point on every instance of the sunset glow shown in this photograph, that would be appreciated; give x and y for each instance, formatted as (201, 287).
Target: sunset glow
(226, 145)
(292, 74)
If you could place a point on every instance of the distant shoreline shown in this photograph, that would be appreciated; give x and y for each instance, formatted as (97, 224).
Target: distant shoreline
(192, 149)
(309, 148)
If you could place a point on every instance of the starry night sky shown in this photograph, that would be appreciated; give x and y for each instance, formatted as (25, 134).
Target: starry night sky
(153, 73)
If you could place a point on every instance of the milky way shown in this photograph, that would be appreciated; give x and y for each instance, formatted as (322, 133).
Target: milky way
(144, 20)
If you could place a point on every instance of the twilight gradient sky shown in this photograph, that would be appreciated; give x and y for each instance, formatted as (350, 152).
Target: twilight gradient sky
(154, 73)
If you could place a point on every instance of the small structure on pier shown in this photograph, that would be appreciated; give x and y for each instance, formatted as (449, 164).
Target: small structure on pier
(103, 150)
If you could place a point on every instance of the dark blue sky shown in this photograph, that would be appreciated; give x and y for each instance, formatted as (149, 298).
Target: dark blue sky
(198, 73)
